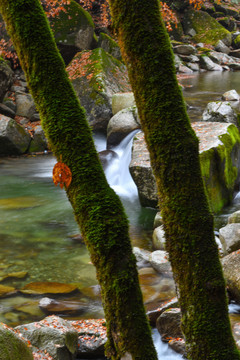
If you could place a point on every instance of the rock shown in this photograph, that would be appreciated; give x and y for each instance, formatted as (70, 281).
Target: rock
(142, 257)
(178, 345)
(12, 346)
(153, 315)
(159, 238)
(221, 58)
(184, 69)
(5, 110)
(6, 78)
(193, 66)
(24, 104)
(120, 125)
(231, 95)
(10, 104)
(185, 49)
(207, 64)
(158, 221)
(159, 261)
(200, 21)
(53, 334)
(106, 157)
(91, 337)
(219, 157)
(17, 203)
(231, 269)
(109, 45)
(17, 275)
(229, 236)
(234, 66)
(39, 142)
(235, 53)
(39, 288)
(220, 111)
(221, 47)
(52, 306)
(169, 324)
(6, 290)
(73, 30)
(234, 218)
(14, 140)
(102, 76)
(122, 101)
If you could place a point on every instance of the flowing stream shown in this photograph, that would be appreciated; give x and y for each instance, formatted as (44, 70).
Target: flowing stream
(39, 236)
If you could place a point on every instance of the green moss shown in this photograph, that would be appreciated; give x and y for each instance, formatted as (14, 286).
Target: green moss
(207, 28)
(66, 24)
(109, 45)
(237, 42)
(12, 347)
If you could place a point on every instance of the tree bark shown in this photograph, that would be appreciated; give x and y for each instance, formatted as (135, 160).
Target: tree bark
(97, 208)
(174, 154)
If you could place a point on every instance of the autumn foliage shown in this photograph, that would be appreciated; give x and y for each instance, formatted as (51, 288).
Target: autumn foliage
(62, 175)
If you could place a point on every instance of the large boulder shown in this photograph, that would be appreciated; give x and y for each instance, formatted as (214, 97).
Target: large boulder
(169, 324)
(121, 124)
(96, 76)
(73, 30)
(25, 104)
(109, 45)
(207, 29)
(14, 140)
(219, 156)
(53, 334)
(122, 101)
(229, 236)
(207, 64)
(12, 346)
(231, 270)
(6, 78)
(220, 111)
(39, 142)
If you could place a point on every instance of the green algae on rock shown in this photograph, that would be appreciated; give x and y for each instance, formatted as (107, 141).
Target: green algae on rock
(37, 288)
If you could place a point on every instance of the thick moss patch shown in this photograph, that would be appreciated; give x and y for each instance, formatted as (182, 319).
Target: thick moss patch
(208, 30)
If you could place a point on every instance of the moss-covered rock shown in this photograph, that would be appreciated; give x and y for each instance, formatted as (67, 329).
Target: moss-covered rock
(109, 45)
(96, 76)
(208, 30)
(37, 288)
(236, 42)
(6, 78)
(219, 156)
(12, 347)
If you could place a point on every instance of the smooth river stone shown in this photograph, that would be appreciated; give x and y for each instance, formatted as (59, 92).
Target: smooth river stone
(37, 288)
(52, 306)
(6, 290)
(18, 275)
(21, 202)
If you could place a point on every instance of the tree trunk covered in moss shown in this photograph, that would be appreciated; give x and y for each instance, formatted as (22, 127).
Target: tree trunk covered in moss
(97, 208)
(174, 154)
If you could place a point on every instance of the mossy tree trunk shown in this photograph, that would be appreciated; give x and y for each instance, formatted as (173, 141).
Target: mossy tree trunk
(97, 208)
(174, 153)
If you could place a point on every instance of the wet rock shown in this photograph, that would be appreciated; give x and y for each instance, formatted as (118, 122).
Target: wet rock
(193, 66)
(17, 275)
(53, 334)
(234, 66)
(103, 76)
(52, 306)
(221, 47)
(184, 69)
(6, 290)
(231, 95)
(92, 337)
(158, 221)
(142, 257)
(159, 238)
(235, 53)
(153, 315)
(169, 324)
(12, 346)
(121, 124)
(21, 202)
(178, 345)
(234, 218)
(37, 288)
(220, 111)
(159, 261)
(14, 140)
(231, 270)
(122, 101)
(207, 64)
(229, 236)
(106, 157)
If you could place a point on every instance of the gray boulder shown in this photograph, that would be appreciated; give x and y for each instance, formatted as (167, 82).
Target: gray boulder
(12, 346)
(207, 64)
(229, 236)
(159, 261)
(121, 124)
(24, 103)
(231, 95)
(184, 69)
(122, 101)
(231, 270)
(234, 218)
(109, 45)
(220, 111)
(185, 49)
(53, 334)
(14, 140)
(158, 221)
(142, 257)
(102, 76)
(6, 78)
(221, 47)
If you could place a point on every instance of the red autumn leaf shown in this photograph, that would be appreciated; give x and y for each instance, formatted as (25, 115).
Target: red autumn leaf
(62, 175)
